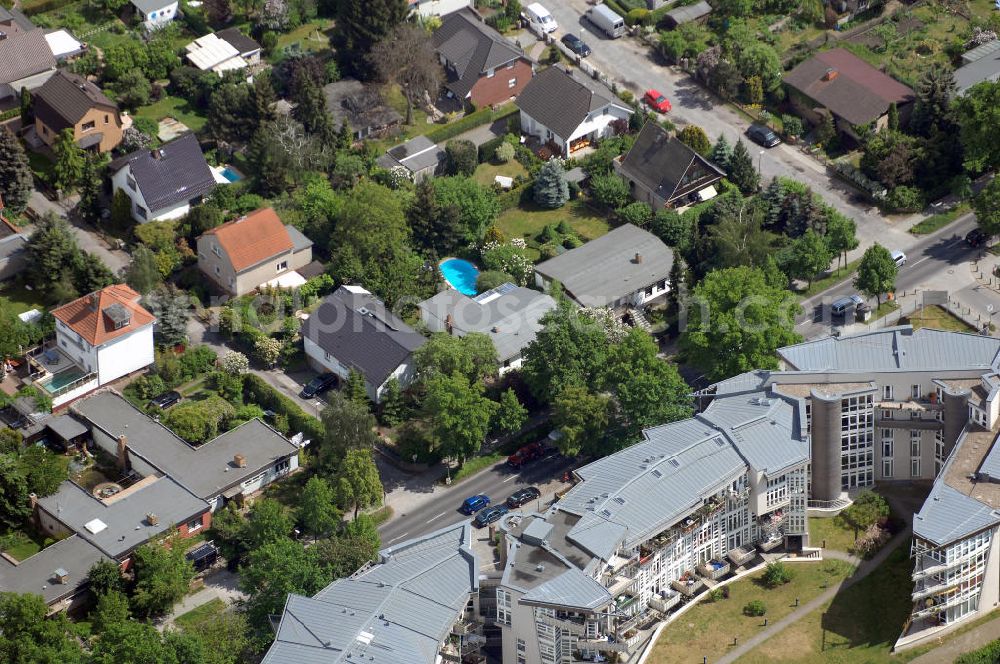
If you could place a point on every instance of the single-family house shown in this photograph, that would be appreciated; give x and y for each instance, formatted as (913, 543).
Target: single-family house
(155, 14)
(58, 573)
(687, 14)
(481, 66)
(663, 171)
(623, 269)
(361, 106)
(69, 101)
(419, 158)
(253, 251)
(841, 84)
(26, 61)
(568, 109)
(431, 8)
(509, 315)
(234, 465)
(222, 51)
(13, 248)
(979, 64)
(353, 330)
(99, 338)
(165, 182)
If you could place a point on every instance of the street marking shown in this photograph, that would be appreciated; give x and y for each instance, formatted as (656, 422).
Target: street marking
(398, 538)
(512, 477)
(436, 517)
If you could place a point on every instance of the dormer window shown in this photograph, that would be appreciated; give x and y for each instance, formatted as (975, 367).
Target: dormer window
(216, 251)
(118, 316)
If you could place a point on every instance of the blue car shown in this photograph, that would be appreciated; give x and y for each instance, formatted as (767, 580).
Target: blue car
(489, 515)
(475, 503)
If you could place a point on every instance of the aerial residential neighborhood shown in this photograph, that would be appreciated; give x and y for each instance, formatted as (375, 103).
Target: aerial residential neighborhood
(499, 332)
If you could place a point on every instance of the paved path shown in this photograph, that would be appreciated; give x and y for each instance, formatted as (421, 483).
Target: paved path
(89, 241)
(961, 644)
(221, 584)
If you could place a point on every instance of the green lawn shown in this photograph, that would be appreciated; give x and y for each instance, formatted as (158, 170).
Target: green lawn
(310, 36)
(827, 530)
(173, 107)
(527, 222)
(26, 543)
(885, 309)
(476, 464)
(200, 614)
(858, 626)
(19, 299)
(841, 274)
(938, 318)
(709, 628)
(485, 173)
(939, 221)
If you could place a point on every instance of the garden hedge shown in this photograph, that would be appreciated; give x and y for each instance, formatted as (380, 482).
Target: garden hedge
(255, 390)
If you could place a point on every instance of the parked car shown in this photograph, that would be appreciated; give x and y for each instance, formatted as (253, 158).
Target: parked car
(522, 496)
(529, 452)
(539, 19)
(319, 384)
(576, 45)
(489, 515)
(607, 21)
(657, 101)
(899, 258)
(473, 504)
(976, 238)
(847, 304)
(166, 400)
(762, 135)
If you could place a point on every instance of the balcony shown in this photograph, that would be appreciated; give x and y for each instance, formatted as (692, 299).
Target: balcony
(921, 574)
(933, 607)
(623, 581)
(688, 524)
(936, 589)
(626, 603)
(612, 644)
(741, 555)
(687, 585)
(664, 602)
(772, 542)
(772, 522)
(575, 626)
(711, 507)
(714, 569)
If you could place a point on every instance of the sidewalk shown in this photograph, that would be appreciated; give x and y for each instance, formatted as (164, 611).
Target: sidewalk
(961, 644)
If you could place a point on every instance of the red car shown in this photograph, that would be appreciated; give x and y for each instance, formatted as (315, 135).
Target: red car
(657, 101)
(529, 452)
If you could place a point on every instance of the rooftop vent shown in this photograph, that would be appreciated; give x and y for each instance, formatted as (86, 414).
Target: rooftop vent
(3, 35)
(156, 154)
(656, 471)
(540, 567)
(61, 575)
(830, 74)
(152, 519)
(240, 461)
(638, 258)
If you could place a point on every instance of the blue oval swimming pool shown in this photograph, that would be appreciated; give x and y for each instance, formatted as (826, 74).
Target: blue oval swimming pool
(461, 274)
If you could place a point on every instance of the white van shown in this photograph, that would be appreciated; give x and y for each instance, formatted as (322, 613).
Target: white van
(539, 19)
(607, 20)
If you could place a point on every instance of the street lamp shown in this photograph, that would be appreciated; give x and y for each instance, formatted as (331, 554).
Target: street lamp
(760, 157)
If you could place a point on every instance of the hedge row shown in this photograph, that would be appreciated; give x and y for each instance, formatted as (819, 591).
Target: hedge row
(255, 390)
(470, 121)
(42, 7)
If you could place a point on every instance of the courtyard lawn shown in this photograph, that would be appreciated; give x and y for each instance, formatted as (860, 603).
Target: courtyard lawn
(485, 173)
(307, 37)
(938, 318)
(19, 299)
(200, 614)
(859, 626)
(174, 107)
(708, 629)
(829, 531)
(528, 221)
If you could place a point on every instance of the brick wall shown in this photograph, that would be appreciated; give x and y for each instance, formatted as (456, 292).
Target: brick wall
(206, 522)
(497, 90)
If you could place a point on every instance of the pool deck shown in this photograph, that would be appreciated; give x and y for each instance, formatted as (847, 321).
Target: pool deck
(452, 285)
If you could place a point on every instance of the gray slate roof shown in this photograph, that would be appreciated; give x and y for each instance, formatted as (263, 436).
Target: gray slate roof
(764, 430)
(666, 165)
(207, 470)
(12, 245)
(561, 99)
(245, 45)
(66, 427)
(37, 573)
(572, 589)
(180, 173)
(604, 270)
(374, 342)
(125, 518)
(396, 612)
(15, 17)
(65, 98)
(471, 48)
(299, 240)
(985, 68)
(414, 155)
(147, 6)
(894, 349)
(24, 54)
(509, 315)
(690, 13)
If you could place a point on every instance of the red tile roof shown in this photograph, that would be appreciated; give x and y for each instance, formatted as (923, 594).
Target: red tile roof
(86, 316)
(253, 239)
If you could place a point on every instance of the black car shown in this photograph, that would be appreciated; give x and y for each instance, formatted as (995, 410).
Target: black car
(165, 400)
(489, 515)
(319, 384)
(976, 238)
(576, 45)
(763, 135)
(522, 496)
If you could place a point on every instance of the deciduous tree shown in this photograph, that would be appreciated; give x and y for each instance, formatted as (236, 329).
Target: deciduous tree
(695, 138)
(810, 255)
(510, 415)
(348, 425)
(272, 571)
(70, 162)
(473, 356)
(162, 576)
(876, 272)
(357, 482)
(458, 413)
(406, 57)
(582, 418)
(317, 511)
(360, 25)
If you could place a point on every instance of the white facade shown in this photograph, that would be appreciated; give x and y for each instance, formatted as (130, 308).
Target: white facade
(324, 361)
(431, 8)
(123, 180)
(112, 360)
(157, 18)
(595, 126)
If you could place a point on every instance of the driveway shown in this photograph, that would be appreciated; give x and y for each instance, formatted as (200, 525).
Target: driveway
(633, 66)
(220, 584)
(89, 241)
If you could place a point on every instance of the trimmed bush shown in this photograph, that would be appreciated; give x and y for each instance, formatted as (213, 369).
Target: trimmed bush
(777, 574)
(255, 390)
(470, 121)
(754, 608)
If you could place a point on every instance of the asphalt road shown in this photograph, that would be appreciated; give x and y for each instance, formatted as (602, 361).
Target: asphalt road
(497, 483)
(931, 262)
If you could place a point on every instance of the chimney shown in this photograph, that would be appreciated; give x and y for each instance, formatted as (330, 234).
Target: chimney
(93, 300)
(61, 576)
(33, 498)
(830, 74)
(156, 154)
(638, 258)
(240, 461)
(449, 323)
(122, 452)
(152, 519)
